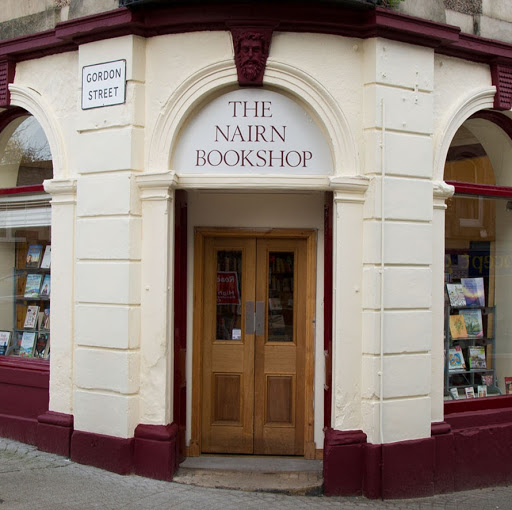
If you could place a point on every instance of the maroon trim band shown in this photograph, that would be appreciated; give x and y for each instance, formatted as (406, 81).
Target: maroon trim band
(35, 365)
(489, 190)
(22, 189)
(328, 290)
(312, 18)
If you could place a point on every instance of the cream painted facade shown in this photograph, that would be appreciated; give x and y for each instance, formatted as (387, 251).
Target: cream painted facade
(388, 111)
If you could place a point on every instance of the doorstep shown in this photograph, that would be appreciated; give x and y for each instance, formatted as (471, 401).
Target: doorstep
(287, 475)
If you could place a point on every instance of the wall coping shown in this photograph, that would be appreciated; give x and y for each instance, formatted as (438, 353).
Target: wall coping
(325, 18)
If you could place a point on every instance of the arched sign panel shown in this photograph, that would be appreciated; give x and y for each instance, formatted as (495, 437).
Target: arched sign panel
(252, 131)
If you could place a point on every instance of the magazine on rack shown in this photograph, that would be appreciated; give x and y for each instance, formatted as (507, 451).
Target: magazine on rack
(45, 287)
(44, 319)
(32, 286)
(477, 357)
(31, 317)
(458, 327)
(45, 263)
(34, 255)
(27, 344)
(456, 360)
(473, 289)
(456, 294)
(508, 385)
(470, 392)
(42, 347)
(473, 322)
(5, 337)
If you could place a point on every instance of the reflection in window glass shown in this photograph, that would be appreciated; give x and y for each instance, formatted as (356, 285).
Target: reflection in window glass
(280, 296)
(229, 297)
(26, 158)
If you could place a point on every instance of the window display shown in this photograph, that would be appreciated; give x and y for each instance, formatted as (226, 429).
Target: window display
(25, 239)
(25, 307)
(478, 271)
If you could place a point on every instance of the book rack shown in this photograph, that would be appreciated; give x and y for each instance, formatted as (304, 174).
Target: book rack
(30, 336)
(470, 377)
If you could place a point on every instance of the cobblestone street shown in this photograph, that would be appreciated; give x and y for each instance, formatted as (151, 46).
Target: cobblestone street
(30, 479)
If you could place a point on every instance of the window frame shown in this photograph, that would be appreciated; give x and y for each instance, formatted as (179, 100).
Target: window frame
(485, 191)
(27, 364)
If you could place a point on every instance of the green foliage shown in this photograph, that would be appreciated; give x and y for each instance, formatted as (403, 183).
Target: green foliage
(391, 3)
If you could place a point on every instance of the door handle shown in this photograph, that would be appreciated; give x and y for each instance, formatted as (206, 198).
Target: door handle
(249, 318)
(260, 317)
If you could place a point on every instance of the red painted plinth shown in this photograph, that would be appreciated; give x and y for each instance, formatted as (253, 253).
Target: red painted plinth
(403, 469)
(408, 469)
(156, 454)
(24, 396)
(107, 452)
(470, 449)
(372, 483)
(482, 457)
(54, 432)
(344, 453)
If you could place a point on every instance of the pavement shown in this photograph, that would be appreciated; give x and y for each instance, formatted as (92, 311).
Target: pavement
(30, 479)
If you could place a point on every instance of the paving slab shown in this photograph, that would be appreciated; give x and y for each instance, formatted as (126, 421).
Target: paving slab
(30, 479)
(286, 475)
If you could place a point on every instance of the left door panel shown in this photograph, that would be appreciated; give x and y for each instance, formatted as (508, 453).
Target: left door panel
(228, 345)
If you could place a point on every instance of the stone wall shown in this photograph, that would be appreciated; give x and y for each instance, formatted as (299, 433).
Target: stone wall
(487, 18)
(23, 17)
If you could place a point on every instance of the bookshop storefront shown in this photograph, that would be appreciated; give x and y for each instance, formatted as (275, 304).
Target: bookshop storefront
(25, 280)
(276, 255)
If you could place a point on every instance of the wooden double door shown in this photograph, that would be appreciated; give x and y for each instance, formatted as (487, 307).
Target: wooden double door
(253, 345)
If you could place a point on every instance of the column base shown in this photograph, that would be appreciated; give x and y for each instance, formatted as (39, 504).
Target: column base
(156, 451)
(54, 432)
(105, 452)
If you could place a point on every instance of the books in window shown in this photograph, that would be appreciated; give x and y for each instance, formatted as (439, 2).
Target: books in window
(454, 393)
(31, 317)
(456, 361)
(473, 322)
(482, 390)
(276, 322)
(473, 289)
(274, 304)
(477, 357)
(470, 392)
(5, 338)
(34, 253)
(508, 385)
(42, 346)
(456, 294)
(32, 285)
(45, 286)
(458, 327)
(44, 319)
(45, 263)
(26, 344)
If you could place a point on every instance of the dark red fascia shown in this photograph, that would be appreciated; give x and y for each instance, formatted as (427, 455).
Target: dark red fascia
(325, 18)
(300, 17)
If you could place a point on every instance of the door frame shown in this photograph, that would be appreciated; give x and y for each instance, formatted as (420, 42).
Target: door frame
(200, 234)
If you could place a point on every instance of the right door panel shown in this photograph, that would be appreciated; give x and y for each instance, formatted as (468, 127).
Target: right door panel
(280, 347)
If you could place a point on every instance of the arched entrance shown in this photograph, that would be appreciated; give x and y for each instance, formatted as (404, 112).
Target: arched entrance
(244, 159)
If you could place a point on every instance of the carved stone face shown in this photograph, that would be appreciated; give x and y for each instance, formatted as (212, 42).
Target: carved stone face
(251, 57)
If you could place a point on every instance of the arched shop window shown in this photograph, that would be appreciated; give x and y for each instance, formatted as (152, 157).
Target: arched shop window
(25, 228)
(478, 260)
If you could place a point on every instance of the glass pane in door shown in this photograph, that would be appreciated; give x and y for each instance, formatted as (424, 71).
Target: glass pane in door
(280, 296)
(229, 298)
